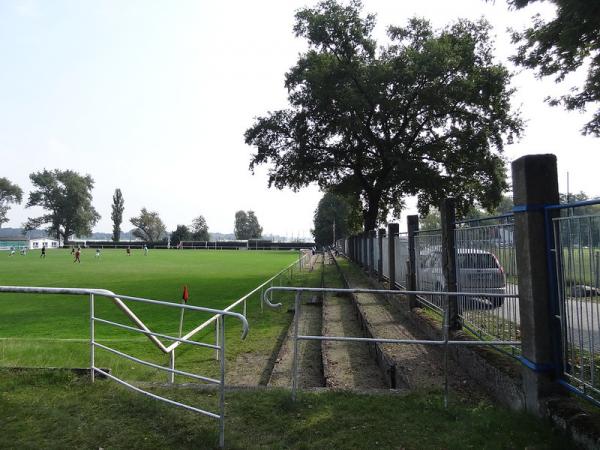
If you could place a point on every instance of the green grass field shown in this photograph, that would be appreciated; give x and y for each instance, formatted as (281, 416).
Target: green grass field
(53, 330)
(58, 409)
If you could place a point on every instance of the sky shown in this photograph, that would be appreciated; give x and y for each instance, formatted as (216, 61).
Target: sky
(153, 97)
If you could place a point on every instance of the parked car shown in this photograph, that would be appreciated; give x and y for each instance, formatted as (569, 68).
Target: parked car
(477, 271)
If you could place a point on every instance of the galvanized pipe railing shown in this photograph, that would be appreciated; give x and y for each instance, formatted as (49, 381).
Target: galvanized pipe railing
(143, 329)
(445, 341)
(81, 291)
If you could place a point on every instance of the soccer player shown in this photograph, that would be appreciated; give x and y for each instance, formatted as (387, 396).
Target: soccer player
(128, 250)
(43, 254)
(145, 250)
(77, 254)
(12, 251)
(97, 253)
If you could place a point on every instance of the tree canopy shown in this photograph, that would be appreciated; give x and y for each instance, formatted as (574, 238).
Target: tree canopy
(563, 45)
(9, 194)
(427, 114)
(200, 229)
(246, 225)
(334, 209)
(433, 220)
(149, 226)
(118, 206)
(67, 196)
(181, 233)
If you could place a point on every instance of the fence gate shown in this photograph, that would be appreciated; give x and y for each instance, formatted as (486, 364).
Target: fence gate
(574, 255)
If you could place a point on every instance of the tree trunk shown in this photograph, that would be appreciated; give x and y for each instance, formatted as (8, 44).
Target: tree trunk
(370, 214)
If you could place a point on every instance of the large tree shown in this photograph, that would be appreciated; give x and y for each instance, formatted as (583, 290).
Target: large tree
(254, 228)
(558, 47)
(334, 210)
(200, 229)
(118, 206)
(9, 194)
(67, 196)
(427, 114)
(181, 233)
(246, 225)
(149, 226)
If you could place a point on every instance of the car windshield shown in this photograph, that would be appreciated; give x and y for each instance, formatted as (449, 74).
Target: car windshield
(477, 261)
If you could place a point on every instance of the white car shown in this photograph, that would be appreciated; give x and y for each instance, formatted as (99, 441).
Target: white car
(477, 271)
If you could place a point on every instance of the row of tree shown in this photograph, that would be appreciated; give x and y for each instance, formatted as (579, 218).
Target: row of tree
(66, 196)
(426, 114)
(336, 217)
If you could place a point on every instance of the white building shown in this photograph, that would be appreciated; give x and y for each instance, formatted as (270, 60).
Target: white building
(38, 243)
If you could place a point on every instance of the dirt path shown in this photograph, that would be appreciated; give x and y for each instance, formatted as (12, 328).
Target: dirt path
(417, 366)
(346, 365)
(310, 369)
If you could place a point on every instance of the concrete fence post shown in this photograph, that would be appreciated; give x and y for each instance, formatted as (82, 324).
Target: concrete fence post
(365, 250)
(371, 235)
(380, 236)
(412, 223)
(392, 232)
(535, 184)
(448, 216)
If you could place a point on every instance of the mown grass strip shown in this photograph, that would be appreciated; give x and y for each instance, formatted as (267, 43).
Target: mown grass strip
(60, 410)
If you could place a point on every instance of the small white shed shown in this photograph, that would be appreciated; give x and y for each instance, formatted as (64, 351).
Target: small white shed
(38, 243)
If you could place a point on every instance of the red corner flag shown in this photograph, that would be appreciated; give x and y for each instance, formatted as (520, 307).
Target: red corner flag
(186, 294)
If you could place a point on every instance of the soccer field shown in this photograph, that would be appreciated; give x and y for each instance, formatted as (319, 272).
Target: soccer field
(52, 330)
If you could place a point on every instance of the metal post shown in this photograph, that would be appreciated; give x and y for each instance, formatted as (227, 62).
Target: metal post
(448, 216)
(412, 223)
(597, 265)
(92, 339)
(221, 319)
(217, 337)
(245, 309)
(181, 319)
(446, 336)
(297, 302)
(172, 366)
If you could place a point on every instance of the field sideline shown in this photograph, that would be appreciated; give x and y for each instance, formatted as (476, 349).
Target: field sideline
(52, 330)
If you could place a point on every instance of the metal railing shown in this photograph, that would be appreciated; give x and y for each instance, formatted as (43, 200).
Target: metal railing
(445, 341)
(401, 257)
(219, 346)
(486, 262)
(428, 267)
(576, 255)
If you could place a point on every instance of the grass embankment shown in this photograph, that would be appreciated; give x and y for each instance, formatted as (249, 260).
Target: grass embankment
(60, 410)
(51, 330)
